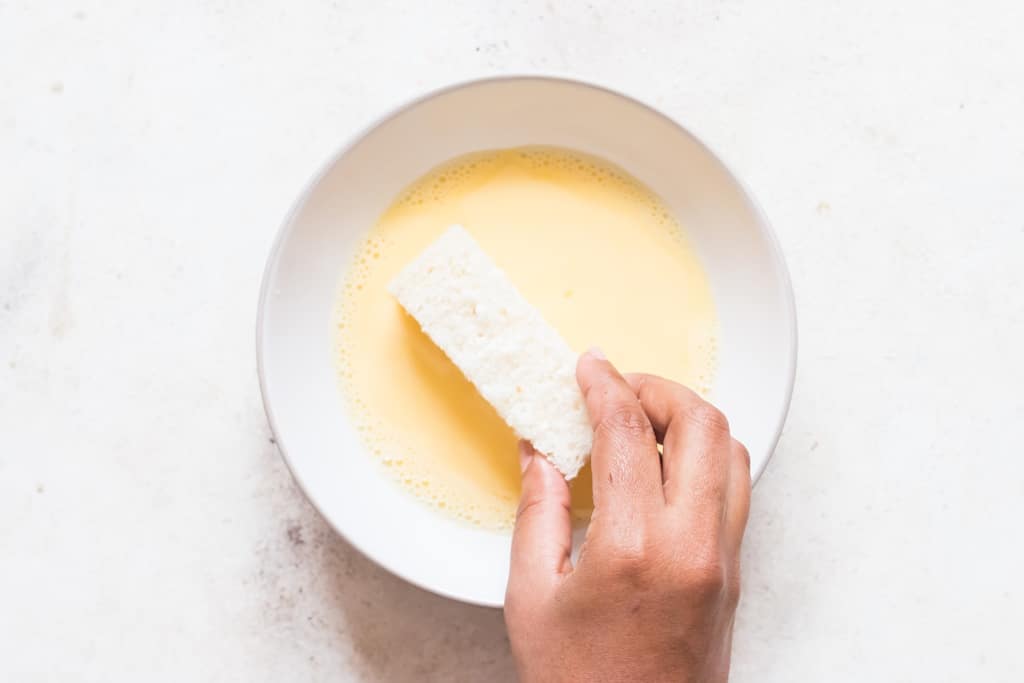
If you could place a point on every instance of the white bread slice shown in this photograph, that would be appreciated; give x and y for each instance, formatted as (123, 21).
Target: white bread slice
(501, 343)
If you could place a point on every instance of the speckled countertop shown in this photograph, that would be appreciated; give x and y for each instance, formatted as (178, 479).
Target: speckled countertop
(148, 529)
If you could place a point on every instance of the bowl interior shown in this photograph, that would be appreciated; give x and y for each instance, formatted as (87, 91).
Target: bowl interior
(751, 289)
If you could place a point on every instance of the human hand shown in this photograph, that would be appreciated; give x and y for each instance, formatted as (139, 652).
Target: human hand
(654, 591)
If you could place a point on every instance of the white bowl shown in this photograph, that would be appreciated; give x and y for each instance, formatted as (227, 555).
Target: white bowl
(752, 291)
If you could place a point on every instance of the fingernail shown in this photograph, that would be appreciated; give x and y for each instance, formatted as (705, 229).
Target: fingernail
(597, 353)
(525, 455)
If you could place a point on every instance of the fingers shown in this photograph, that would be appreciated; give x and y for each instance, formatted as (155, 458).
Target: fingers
(542, 539)
(624, 457)
(697, 454)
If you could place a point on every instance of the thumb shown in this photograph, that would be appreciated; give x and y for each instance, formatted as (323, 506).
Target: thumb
(542, 539)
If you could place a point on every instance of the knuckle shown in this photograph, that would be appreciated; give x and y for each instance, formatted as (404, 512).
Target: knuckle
(528, 505)
(741, 452)
(532, 498)
(630, 565)
(629, 557)
(624, 420)
(709, 418)
(707, 579)
(533, 504)
(643, 387)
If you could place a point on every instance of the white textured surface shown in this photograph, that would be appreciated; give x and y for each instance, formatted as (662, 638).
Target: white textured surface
(147, 154)
(502, 344)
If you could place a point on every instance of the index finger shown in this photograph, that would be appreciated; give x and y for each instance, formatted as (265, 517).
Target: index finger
(624, 457)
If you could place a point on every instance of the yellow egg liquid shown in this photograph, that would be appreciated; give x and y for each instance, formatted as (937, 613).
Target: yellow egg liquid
(594, 250)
